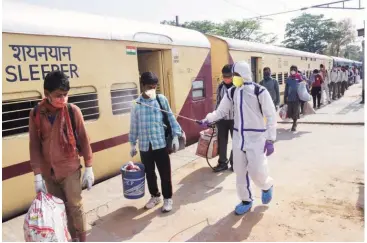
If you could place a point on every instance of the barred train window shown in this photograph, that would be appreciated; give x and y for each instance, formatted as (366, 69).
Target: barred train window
(285, 76)
(198, 89)
(86, 99)
(16, 110)
(280, 78)
(274, 76)
(122, 96)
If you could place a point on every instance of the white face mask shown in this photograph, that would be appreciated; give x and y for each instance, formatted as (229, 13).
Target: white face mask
(293, 72)
(151, 93)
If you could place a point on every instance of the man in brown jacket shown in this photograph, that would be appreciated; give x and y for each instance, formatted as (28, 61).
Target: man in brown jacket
(54, 150)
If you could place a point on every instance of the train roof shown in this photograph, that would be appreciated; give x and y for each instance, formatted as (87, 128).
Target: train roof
(340, 59)
(242, 45)
(36, 20)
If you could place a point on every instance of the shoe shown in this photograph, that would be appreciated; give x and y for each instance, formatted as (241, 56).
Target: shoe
(167, 205)
(153, 201)
(221, 167)
(243, 208)
(329, 102)
(294, 128)
(267, 195)
(231, 168)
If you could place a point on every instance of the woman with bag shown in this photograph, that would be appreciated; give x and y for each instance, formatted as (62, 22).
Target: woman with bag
(316, 89)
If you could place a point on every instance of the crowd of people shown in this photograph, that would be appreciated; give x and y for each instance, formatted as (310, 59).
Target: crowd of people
(58, 135)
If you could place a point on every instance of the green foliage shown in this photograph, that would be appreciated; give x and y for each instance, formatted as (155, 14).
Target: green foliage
(309, 33)
(249, 30)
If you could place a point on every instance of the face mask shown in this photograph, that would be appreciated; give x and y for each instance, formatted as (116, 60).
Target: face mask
(293, 72)
(237, 81)
(266, 74)
(151, 93)
(227, 80)
(58, 102)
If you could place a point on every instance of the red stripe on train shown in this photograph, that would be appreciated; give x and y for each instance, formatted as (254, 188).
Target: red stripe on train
(25, 167)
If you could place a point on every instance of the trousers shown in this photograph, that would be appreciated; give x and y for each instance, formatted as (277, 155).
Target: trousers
(224, 127)
(160, 158)
(250, 164)
(325, 93)
(69, 190)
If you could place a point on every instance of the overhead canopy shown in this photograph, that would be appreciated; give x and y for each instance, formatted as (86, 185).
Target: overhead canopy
(35, 20)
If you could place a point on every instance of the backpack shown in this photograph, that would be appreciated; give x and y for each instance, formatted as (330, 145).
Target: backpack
(256, 92)
(72, 119)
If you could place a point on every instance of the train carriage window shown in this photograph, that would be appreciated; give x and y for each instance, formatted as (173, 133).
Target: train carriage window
(17, 106)
(274, 76)
(285, 76)
(16, 109)
(280, 78)
(122, 95)
(304, 58)
(86, 99)
(198, 91)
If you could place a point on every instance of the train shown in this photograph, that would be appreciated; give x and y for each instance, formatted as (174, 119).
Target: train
(104, 56)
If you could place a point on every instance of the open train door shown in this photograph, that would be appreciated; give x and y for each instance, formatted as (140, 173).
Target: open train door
(158, 62)
(256, 69)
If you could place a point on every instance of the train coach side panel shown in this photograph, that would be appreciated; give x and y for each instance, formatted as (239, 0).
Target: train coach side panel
(97, 65)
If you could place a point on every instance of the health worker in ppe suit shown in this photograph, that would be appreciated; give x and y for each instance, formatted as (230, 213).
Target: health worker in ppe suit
(253, 138)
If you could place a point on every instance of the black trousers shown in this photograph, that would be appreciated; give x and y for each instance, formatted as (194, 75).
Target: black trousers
(344, 87)
(160, 158)
(316, 94)
(224, 127)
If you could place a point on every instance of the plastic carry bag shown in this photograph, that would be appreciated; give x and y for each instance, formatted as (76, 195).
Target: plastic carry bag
(303, 93)
(46, 220)
(307, 109)
(283, 112)
(203, 144)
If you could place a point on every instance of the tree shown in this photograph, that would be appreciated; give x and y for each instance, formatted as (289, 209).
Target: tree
(309, 33)
(352, 52)
(343, 35)
(249, 30)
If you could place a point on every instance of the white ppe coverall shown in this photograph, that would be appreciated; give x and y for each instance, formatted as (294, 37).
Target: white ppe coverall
(250, 131)
(325, 86)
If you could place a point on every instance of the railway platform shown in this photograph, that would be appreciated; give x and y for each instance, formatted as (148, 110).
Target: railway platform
(318, 191)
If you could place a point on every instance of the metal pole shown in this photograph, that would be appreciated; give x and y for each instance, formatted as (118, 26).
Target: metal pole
(184, 117)
(176, 20)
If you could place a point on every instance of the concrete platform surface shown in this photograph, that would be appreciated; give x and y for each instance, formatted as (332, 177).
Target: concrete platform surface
(345, 110)
(318, 193)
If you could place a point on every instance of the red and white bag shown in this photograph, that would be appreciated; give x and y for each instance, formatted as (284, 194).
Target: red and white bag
(46, 220)
(204, 149)
(283, 112)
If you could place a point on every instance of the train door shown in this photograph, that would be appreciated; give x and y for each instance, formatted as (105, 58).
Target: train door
(256, 64)
(155, 61)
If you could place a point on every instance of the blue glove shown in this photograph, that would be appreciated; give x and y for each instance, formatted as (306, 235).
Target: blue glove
(203, 123)
(269, 147)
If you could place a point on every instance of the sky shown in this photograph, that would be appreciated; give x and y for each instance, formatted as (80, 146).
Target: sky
(215, 10)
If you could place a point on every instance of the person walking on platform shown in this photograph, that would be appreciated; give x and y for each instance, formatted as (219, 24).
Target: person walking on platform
(272, 86)
(316, 89)
(304, 78)
(344, 84)
(226, 124)
(253, 138)
(339, 82)
(325, 85)
(333, 82)
(54, 151)
(146, 126)
(291, 96)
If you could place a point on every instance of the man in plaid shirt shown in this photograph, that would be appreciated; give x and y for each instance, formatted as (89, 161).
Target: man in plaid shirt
(147, 126)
